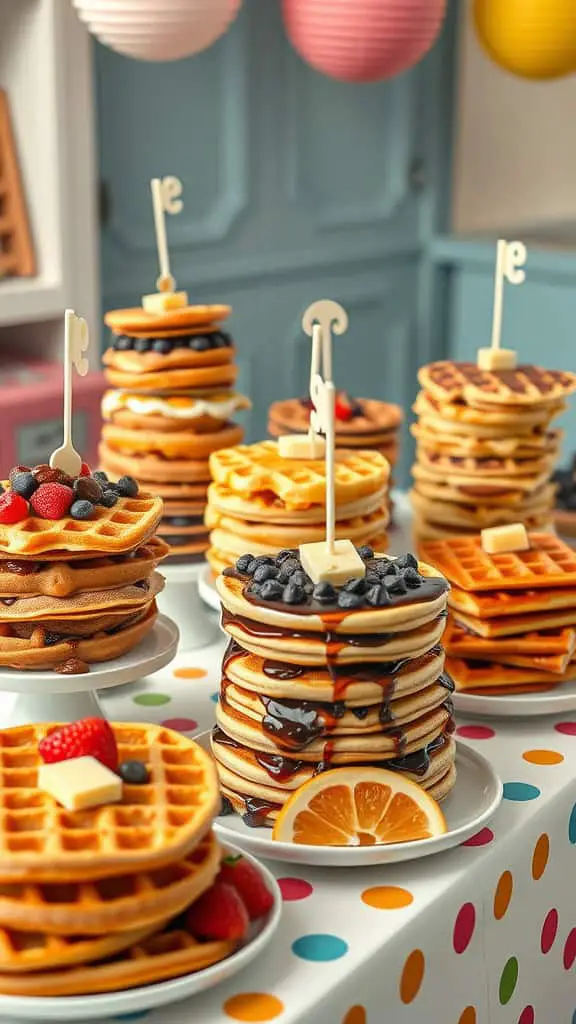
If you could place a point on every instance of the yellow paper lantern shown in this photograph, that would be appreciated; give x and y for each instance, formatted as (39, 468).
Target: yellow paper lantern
(530, 38)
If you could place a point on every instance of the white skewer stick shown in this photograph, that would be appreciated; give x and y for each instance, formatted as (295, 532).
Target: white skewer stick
(76, 342)
(510, 258)
(166, 193)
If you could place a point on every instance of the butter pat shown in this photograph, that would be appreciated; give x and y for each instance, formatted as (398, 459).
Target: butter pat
(494, 359)
(333, 567)
(164, 302)
(301, 446)
(499, 540)
(79, 783)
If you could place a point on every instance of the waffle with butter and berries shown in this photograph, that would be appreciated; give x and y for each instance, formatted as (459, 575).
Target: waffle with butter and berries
(78, 559)
(171, 404)
(318, 676)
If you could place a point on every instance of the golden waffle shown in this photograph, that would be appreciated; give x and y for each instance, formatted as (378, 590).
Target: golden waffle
(99, 906)
(451, 381)
(511, 625)
(153, 470)
(249, 469)
(550, 652)
(45, 650)
(23, 952)
(242, 536)
(501, 603)
(84, 605)
(379, 419)
(153, 825)
(478, 517)
(126, 525)
(478, 675)
(452, 467)
(460, 418)
(170, 954)
(127, 321)
(471, 491)
(184, 444)
(61, 579)
(548, 563)
(267, 508)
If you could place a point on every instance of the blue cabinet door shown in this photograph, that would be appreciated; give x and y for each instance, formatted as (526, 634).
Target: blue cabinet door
(296, 188)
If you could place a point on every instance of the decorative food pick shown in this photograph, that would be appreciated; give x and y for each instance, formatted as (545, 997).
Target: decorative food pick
(166, 193)
(76, 341)
(510, 258)
(329, 561)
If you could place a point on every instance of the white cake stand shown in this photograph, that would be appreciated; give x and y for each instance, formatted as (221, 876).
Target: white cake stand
(180, 600)
(28, 697)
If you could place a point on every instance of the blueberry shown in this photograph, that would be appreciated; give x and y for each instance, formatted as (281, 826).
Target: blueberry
(142, 345)
(134, 773)
(127, 487)
(24, 484)
(251, 567)
(263, 559)
(355, 585)
(324, 592)
(371, 577)
(293, 594)
(86, 488)
(82, 509)
(199, 343)
(385, 568)
(346, 599)
(100, 476)
(122, 343)
(300, 578)
(407, 561)
(377, 595)
(225, 339)
(271, 590)
(265, 572)
(412, 577)
(284, 554)
(290, 566)
(162, 345)
(395, 585)
(366, 552)
(243, 562)
(180, 521)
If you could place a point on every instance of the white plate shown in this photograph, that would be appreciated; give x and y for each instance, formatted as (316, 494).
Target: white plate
(473, 801)
(517, 705)
(134, 1000)
(207, 590)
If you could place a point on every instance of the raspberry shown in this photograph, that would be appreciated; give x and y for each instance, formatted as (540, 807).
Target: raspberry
(85, 470)
(91, 737)
(343, 408)
(13, 508)
(52, 501)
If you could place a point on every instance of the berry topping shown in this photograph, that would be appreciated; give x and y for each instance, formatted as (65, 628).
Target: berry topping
(126, 487)
(86, 487)
(121, 343)
(162, 345)
(218, 914)
(343, 408)
(248, 882)
(271, 590)
(108, 499)
(24, 484)
(265, 572)
(347, 599)
(293, 594)
(100, 476)
(365, 552)
(82, 510)
(324, 592)
(85, 470)
(134, 773)
(407, 561)
(355, 585)
(16, 470)
(47, 475)
(243, 562)
(52, 501)
(91, 737)
(142, 345)
(13, 508)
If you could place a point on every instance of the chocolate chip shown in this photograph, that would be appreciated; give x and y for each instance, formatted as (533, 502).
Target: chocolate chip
(347, 599)
(407, 561)
(284, 554)
(324, 592)
(395, 585)
(412, 578)
(385, 568)
(293, 594)
(355, 585)
(251, 567)
(366, 552)
(377, 596)
(301, 578)
(243, 562)
(271, 590)
(265, 572)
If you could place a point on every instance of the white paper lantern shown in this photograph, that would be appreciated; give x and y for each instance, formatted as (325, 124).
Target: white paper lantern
(157, 30)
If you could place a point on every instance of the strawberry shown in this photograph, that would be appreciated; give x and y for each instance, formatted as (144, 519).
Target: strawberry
(85, 470)
(91, 737)
(52, 501)
(343, 408)
(248, 882)
(13, 508)
(218, 914)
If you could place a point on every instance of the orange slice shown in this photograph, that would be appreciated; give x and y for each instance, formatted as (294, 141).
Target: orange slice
(359, 807)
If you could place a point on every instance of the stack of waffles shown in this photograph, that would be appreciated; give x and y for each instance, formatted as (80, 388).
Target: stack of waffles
(262, 502)
(169, 407)
(565, 511)
(318, 676)
(485, 448)
(89, 900)
(512, 626)
(78, 562)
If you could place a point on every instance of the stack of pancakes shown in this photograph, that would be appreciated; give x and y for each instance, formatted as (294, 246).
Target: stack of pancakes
(485, 450)
(262, 502)
(172, 377)
(76, 592)
(317, 676)
(89, 899)
(512, 625)
(565, 510)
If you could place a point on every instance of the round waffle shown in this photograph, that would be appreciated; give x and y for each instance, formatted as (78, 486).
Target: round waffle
(85, 604)
(495, 421)
(235, 536)
(479, 517)
(153, 825)
(527, 447)
(450, 381)
(23, 953)
(373, 420)
(265, 507)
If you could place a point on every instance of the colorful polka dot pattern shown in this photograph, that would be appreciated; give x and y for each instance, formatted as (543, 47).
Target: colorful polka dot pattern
(482, 838)
(253, 1007)
(527, 1016)
(356, 1015)
(503, 894)
(508, 981)
(475, 732)
(189, 673)
(468, 1016)
(387, 897)
(152, 700)
(412, 976)
(180, 724)
(549, 931)
(464, 928)
(543, 757)
(520, 791)
(569, 955)
(293, 889)
(540, 857)
(572, 826)
(319, 948)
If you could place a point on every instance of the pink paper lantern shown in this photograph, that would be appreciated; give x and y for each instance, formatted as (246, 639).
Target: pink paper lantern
(157, 30)
(362, 40)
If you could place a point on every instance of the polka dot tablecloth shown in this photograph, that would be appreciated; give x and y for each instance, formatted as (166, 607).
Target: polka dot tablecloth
(485, 934)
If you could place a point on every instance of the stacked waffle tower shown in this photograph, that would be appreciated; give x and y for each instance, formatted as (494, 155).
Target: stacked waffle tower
(78, 560)
(262, 502)
(90, 898)
(320, 675)
(485, 447)
(512, 625)
(170, 404)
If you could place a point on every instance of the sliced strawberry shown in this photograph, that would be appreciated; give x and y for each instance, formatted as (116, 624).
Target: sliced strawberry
(248, 882)
(344, 409)
(91, 737)
(218, 914)
(13, 508)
